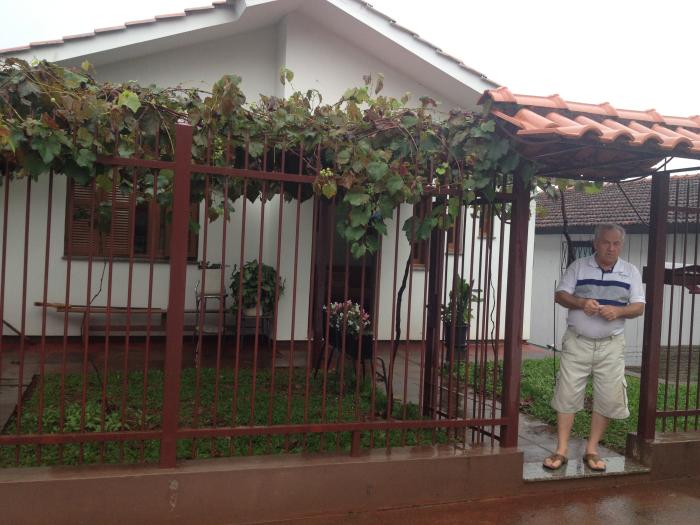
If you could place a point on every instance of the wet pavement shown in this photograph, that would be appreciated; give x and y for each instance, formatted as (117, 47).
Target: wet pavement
(676, 501)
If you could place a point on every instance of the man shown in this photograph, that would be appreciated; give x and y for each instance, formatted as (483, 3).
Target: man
(601, 292)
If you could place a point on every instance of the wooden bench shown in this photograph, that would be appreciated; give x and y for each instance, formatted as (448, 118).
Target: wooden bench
(158, 317)
(89, 311)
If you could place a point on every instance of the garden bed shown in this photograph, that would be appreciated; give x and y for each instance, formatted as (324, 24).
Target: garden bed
(132, 404)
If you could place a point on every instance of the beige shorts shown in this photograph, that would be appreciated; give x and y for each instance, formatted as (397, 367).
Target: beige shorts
(603, 359)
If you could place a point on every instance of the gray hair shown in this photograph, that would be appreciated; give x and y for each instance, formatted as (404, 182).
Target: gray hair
(606, 227)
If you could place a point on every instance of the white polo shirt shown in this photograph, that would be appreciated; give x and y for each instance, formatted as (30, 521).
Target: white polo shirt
(618, 287)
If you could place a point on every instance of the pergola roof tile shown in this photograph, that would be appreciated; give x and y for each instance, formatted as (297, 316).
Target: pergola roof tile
(549, 126)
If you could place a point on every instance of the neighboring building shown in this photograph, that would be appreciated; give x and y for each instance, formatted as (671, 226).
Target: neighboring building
(328, 44)
(628, 205)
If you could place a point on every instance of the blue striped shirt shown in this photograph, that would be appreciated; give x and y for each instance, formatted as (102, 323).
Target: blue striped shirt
(618, 287)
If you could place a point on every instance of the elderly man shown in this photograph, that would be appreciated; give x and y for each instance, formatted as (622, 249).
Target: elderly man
(600, 291)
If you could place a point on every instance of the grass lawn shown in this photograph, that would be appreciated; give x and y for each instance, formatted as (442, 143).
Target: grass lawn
(537, 386)
(129, 403)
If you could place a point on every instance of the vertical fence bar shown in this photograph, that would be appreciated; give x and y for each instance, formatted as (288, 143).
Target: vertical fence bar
(651, 342)
(432, 350)
(692, 311)
(176, 299)
(42, 350)
(671, 306)
(3, 258)
(23, 321)
(512, 347)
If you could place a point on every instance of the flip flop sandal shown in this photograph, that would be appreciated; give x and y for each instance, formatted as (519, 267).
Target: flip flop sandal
(556, 457)
(594, 458)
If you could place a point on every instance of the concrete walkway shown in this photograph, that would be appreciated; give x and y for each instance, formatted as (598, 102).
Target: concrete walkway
(675, 501)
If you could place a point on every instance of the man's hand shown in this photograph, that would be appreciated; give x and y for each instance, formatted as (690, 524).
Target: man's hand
(591, 307)
(609, 313)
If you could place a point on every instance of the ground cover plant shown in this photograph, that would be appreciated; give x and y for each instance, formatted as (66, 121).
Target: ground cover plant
(131, 404)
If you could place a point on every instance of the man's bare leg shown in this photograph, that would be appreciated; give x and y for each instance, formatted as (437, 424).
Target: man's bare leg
(598, 425)
(564, 424)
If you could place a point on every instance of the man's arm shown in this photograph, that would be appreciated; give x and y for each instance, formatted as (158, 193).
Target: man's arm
(573, 302)
(630, 311)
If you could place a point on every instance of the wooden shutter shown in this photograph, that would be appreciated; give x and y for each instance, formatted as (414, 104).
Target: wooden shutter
(96, 237)
(78, 229)
(118, 238)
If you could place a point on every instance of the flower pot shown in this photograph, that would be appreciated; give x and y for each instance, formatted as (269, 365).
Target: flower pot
(352, 344)
(250, 312)
(461, 332)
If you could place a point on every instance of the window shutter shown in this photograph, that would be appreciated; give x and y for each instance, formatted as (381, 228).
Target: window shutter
(85, 238)
(119, 232)
(78, 220)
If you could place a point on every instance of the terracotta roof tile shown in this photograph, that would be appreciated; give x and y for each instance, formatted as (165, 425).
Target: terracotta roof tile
(547, 127)
(14, 49)
(585, 210)
(121, 27)
(110, 29)
(140, 22)
(43, 43)
(81, 35)
(168, 16)
(200, 8)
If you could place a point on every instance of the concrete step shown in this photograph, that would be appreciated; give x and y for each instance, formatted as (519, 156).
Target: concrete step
(576, 469)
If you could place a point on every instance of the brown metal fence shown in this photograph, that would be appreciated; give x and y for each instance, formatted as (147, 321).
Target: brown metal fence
(136, 329)
(671, 369)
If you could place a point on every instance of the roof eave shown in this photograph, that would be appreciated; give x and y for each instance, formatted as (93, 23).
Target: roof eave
(131, 33)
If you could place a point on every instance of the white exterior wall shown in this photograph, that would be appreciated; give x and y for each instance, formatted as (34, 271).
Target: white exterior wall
(252, 56)
(320, 60)
(548, 267)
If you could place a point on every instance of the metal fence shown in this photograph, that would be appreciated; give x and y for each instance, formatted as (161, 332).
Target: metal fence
(670, 373)
(168, 311)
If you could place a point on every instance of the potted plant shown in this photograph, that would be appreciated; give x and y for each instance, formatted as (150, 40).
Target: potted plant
(460, 303)
(245, 280)
(348, 318)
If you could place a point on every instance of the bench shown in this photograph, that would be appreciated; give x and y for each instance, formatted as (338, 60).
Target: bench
(157, 316)
(90, 311)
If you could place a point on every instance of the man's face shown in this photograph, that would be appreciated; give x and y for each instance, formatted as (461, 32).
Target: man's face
(608, 247)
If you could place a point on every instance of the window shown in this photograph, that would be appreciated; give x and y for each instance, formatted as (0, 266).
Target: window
(420, 253)
(485, 222)
(580, 249)
(109, 232)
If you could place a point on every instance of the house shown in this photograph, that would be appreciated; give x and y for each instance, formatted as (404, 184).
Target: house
(628, 204)
(328, 44)
(523, 119)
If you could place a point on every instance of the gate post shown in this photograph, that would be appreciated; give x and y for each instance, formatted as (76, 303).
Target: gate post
(515, 310)
(432, 332)
(646, 428)
(176, 299)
